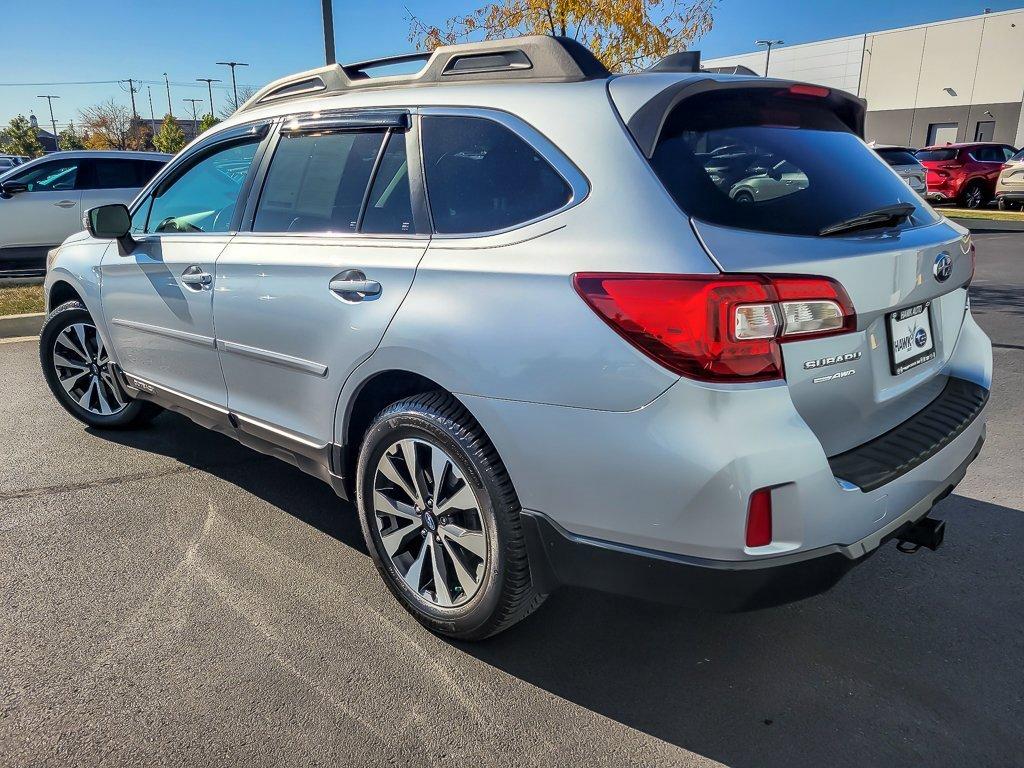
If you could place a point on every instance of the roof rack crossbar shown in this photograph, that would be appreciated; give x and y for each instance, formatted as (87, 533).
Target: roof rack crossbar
(538, 58)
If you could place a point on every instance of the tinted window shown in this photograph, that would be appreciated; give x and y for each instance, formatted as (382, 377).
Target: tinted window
(988, 154)
(482, 177)
(936, 155)
(59, 175)
(897, 156)
(317, 182)
(203, 198)
(109, 174)
(389, 207)
(786, 165)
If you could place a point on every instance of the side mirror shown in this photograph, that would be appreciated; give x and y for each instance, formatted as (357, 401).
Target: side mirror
(10, 188)
(111, 222)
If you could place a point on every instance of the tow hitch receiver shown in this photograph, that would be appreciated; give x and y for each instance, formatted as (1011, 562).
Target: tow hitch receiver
(926, 532)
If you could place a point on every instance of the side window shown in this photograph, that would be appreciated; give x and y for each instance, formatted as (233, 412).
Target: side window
(316, 182)
(389, 207)
(57, 176)
(482, 177)
(109, 174)
(203, 198)
(145, 170)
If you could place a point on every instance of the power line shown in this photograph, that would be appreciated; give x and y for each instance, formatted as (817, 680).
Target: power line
(175, 83)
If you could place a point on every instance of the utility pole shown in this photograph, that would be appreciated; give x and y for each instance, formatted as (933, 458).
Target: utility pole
(768, 54)
(234, 85)
(132, 89)
(152, 112)
(167, 82)
(209, 87)
(195, 118)
(328, 14)
(49, 100)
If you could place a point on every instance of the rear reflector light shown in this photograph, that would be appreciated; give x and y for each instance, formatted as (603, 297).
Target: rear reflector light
(759, 518)
(717, 327)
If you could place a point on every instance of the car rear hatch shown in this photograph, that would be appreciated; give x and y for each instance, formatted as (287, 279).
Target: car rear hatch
(940, 163)
(718, 147)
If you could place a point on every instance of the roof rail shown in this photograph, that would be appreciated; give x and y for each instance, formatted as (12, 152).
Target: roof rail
(538, 58)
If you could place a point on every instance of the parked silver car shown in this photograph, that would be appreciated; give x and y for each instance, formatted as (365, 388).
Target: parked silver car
(1010, 186)
(42, 201)
(502, 305)
(906, 165)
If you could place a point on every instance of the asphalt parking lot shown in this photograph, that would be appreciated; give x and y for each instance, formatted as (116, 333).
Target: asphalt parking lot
(170, 597)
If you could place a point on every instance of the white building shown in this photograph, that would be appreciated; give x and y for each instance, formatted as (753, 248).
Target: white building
(956, 80)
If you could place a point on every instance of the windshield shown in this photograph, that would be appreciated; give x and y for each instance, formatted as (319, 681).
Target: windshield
(897, 156)
(771, 162)
(935, 155)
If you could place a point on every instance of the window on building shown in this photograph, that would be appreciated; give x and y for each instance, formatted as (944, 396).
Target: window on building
(482, 177)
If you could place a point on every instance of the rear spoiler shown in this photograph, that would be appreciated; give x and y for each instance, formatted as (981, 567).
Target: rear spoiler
(647, 123)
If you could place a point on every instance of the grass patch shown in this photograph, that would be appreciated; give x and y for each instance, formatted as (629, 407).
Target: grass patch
(21, 300)
(992, 215)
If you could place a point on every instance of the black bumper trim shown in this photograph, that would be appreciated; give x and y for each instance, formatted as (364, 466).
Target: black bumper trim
(910, 444)
(558, 558)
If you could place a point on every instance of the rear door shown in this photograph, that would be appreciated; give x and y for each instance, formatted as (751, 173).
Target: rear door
(307, 294)
(905, 277)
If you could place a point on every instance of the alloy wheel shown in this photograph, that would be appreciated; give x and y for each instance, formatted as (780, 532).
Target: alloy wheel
(83, 370)
(973, 199)
(429, 521)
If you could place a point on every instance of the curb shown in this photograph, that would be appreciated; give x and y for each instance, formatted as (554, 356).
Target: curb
(21, 325)
(989, 225)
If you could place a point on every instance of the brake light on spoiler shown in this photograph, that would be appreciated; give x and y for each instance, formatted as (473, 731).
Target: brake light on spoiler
(718, 327)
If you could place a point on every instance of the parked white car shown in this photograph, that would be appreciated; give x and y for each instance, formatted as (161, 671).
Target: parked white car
(783, 178)
(906, 165)
(42, 201)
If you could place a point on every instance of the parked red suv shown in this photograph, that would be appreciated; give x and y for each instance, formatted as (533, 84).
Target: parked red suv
(964, 173)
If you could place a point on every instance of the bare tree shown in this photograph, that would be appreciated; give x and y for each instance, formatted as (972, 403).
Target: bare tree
(245, 93)
(111, 126)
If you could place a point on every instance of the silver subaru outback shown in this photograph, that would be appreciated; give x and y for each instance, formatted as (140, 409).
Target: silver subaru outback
(511, 307)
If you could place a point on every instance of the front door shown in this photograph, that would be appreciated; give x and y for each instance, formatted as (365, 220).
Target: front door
(33, 221)
(307, 295)
(158, 299)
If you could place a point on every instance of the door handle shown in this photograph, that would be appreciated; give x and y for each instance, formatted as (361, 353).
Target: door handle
(355, 288)
(65, 204)
(194, 277)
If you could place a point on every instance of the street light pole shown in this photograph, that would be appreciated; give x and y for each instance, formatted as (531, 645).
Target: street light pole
(209, 87)
(234, 85)
(167, 82)
(328, 14)
(49, 100)
(768, 53)
(195, 117)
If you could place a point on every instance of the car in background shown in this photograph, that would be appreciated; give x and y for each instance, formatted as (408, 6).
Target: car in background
(964, 173)
(7, 162)
(42, 201)
(906, 165)
(1010, 186)
(781, 178)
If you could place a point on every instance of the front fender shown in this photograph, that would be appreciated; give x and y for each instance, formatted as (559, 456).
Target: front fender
(77, 266)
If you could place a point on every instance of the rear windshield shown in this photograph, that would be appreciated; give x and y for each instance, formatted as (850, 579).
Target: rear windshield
(925, 155)
(897, 156)
(755, 159)
(1018, 157)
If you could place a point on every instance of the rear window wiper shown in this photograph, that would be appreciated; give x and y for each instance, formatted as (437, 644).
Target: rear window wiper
(889, 214)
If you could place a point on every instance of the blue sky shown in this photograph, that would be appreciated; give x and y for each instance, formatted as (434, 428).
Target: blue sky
(76, 41)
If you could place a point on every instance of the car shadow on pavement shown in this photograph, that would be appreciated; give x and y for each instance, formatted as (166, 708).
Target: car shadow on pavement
(1003, 299)
(912, 660)
(304, 497)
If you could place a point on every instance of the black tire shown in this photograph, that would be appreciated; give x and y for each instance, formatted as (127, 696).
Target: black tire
(974, 196)
(1009, 205)
(506, 594)
(134, 414)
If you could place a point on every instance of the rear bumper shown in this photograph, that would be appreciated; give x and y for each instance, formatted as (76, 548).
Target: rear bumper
(1008, 194)
(558, 557)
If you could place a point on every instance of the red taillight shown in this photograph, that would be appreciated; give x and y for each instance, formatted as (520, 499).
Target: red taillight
(759, 518)
(717, 327)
